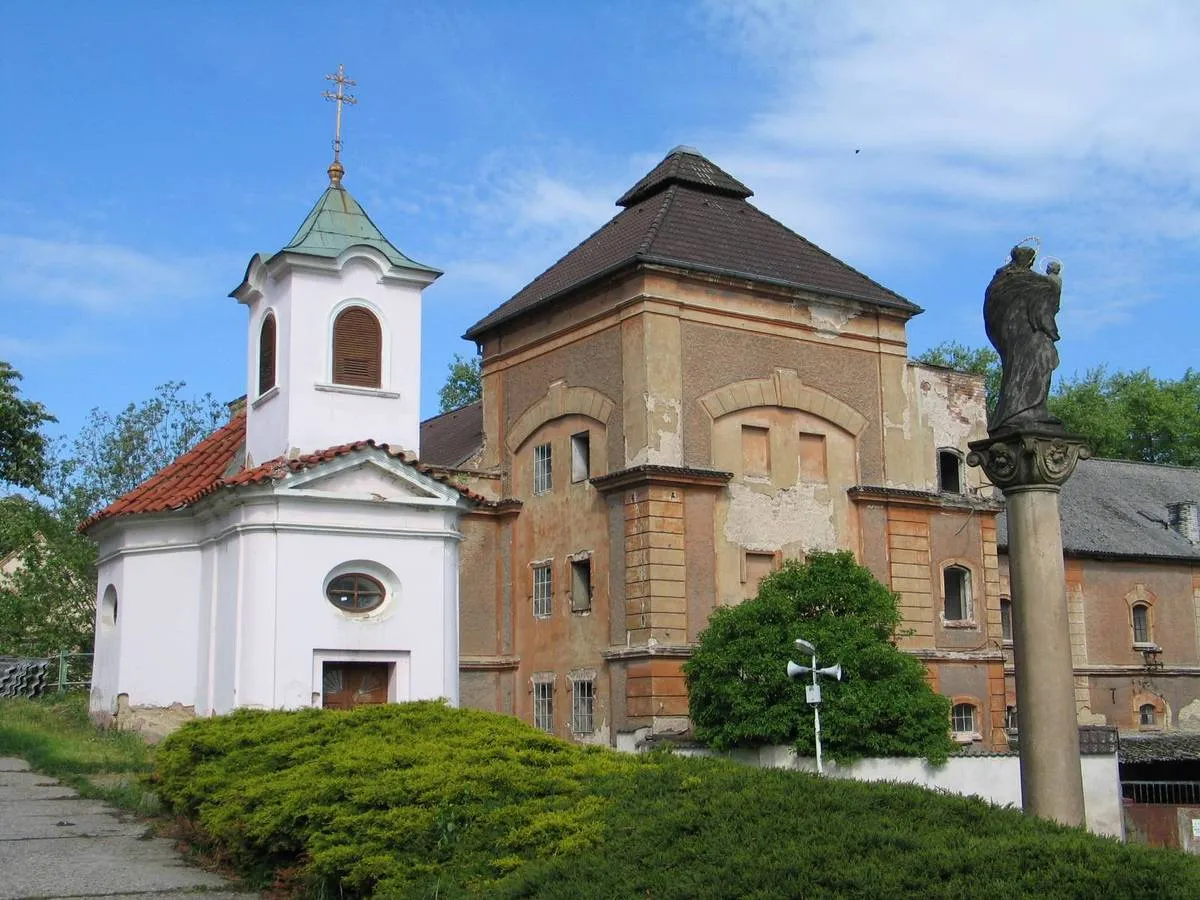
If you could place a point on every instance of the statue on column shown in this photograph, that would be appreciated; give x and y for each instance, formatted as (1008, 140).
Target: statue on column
(1018, 313)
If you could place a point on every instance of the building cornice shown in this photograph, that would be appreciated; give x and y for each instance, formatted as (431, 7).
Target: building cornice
(674, 476)
(648, 651)
(912, 497)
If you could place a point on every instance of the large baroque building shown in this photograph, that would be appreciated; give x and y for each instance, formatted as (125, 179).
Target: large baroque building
(691, 396)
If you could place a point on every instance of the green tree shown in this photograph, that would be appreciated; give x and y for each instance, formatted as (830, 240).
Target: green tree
(47, 600)
(22, 443)
(1133, 415)
(462, 385)
(740, 695)
(114, 453)
(974, 360)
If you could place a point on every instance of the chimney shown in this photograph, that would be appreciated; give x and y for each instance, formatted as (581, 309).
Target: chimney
(1185, 519)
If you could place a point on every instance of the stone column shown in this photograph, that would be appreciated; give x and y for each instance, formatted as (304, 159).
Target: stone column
(1030, 467)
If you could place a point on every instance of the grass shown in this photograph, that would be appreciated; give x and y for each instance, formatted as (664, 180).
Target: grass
(54, 735)
(420, 800)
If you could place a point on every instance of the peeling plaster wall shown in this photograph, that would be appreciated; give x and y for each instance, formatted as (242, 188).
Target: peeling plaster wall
(951, 410)
(756, 520)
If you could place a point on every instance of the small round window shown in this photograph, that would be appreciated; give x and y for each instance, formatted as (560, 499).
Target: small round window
(355, 592)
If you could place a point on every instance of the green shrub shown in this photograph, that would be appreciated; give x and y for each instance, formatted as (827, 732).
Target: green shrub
(740, 695)
(420, 800)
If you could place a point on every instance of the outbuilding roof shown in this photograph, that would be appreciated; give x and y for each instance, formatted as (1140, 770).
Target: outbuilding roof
(1161, 747)
(689, 213)
(1117, 508)
(216, 463)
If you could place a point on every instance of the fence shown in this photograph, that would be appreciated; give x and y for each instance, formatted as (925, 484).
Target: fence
(1176, 793)
(33, 676)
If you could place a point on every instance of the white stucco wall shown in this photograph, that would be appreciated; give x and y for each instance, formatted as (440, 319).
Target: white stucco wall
(308, 412)
(996, 779)
(224, 605)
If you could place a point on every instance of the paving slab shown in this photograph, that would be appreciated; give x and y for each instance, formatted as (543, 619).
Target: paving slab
(56, 844)
(11, 764)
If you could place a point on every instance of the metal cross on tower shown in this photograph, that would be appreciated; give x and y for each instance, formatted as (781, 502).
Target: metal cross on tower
(335, 169)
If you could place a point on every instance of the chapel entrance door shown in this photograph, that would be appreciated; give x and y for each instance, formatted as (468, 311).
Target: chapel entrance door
(345, 685)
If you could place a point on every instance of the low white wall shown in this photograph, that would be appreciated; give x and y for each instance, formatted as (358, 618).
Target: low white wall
(996, 779)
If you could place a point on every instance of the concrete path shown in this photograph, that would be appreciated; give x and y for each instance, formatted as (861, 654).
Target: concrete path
(55, 844)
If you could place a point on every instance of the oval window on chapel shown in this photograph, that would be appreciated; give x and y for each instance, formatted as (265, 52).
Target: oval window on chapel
(355, 592)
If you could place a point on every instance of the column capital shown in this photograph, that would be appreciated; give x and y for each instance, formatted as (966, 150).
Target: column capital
(1029, 459)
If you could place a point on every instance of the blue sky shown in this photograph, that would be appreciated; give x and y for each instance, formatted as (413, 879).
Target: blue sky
(149, 149)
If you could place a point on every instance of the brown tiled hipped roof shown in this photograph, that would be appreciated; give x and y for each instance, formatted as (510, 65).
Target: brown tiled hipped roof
(453, 437)
(213, 464)
(689, 213)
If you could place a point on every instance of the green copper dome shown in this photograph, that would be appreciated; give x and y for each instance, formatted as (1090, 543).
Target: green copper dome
(337, 223)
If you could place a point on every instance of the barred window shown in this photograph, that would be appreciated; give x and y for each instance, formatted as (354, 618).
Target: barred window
(542, 476)
(963, 718)
(543, 705)
(1006, 620)
(1141, 624)
(583, 706)
(1147, 715)
(543, 590)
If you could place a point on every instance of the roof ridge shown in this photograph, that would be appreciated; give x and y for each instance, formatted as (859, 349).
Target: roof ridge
(659, 217)
(829, 255)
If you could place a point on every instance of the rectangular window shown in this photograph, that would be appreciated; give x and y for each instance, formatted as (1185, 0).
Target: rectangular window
(543, 704)
(543, 590)
(957, 583)
(756, 451)
(581, 456)
(581, 585)
(583, 706)
(1141, 624)
(542, 474)
(812, 457)
(758, 566)
(963, 718)
(1006, 620)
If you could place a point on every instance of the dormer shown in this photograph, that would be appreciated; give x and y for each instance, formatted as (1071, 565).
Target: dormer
(334, 336)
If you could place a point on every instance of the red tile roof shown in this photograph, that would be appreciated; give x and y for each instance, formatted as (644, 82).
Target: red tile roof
(214, 464)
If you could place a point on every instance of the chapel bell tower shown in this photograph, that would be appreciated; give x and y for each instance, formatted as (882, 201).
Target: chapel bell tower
(334, 337)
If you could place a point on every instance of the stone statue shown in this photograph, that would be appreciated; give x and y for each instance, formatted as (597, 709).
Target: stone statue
(1018, 312)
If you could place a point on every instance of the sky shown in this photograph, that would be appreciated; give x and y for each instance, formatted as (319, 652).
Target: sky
(148, 150)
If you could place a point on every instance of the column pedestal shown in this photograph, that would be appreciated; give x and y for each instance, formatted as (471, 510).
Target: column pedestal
(1030, 468)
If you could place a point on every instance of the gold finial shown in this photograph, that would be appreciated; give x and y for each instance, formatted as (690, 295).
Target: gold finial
(336, 170)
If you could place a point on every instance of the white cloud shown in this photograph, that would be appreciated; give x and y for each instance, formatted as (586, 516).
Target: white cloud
(1075, 120)
(97, 276)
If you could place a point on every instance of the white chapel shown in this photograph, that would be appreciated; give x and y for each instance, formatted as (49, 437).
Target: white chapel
(300, 555)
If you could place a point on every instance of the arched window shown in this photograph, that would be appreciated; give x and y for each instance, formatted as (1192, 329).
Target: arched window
(962, 719)
(949, 472)
(357, 348)
(956, 581)
(1147, 715)
(108, 607)
(1006, 620)
(266, 354)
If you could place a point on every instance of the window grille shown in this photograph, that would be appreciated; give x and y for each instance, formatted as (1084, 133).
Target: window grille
(543, 590)
(543, 480)
(543, 705)
(1147, 714)
(1141, 624)
(583, 706)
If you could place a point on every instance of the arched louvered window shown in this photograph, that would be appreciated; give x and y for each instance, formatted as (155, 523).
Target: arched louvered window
(357, 348)
(266, 355)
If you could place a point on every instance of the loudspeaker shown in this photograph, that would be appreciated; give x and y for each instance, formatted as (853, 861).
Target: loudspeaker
(795, 671)
(831, 671)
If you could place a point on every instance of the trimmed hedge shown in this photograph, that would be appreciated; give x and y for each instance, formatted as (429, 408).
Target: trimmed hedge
(420, 800)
